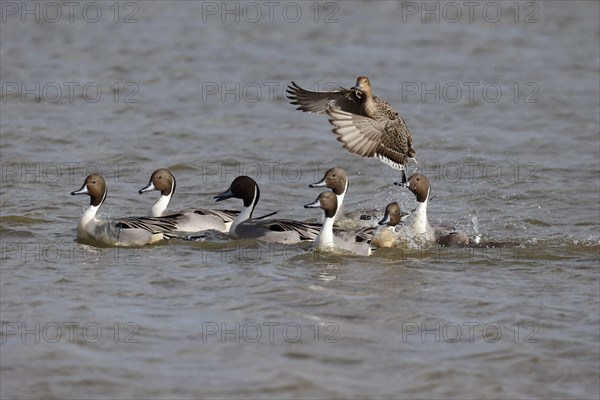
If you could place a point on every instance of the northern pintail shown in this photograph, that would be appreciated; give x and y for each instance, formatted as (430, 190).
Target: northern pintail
(365, 125)
(191, 219)
(326, 240)
(335, 179)
(419, 185)
(122, 231)
(386, 235)
(392, 215)
(270, 230)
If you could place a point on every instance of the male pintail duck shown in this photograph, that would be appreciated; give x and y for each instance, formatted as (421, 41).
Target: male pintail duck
(191, 220)
(326, 240)
(419, 185)
(270, 230)
(126, 231)
(335, 179)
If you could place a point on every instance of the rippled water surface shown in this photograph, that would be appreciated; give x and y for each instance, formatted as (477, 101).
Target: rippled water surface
(505, 121)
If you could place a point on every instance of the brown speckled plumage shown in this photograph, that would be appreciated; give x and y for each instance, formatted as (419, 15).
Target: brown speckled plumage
(365, 125)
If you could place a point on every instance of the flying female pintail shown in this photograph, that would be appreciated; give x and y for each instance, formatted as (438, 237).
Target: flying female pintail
(365, 125)
(419, 185)
(270, 230)
(335, 179)
(191, 220)
(326, 240)
(118, 232)
(385, 235)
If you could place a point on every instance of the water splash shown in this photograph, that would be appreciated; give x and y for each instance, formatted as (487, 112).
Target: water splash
(475, 221)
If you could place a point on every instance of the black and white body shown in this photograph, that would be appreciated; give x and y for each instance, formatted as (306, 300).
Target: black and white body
(269, 230)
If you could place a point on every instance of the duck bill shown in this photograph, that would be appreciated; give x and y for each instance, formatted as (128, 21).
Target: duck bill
(83, 190)
(224, 196)
(148, 188)
(321, 183)
(314, 204)
(385, 220)
(357, 87)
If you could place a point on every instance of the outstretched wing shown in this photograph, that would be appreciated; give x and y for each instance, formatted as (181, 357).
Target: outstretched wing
(388, 140)
(318, 102)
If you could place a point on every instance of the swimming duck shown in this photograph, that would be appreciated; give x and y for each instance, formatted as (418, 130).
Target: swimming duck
(385, 235)
(326, 240)
(335, 179)
(191, 219)
(270, 230)
(128, 231)
(418, 184)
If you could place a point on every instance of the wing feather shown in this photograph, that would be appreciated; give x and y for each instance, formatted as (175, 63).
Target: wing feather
(318, 102)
